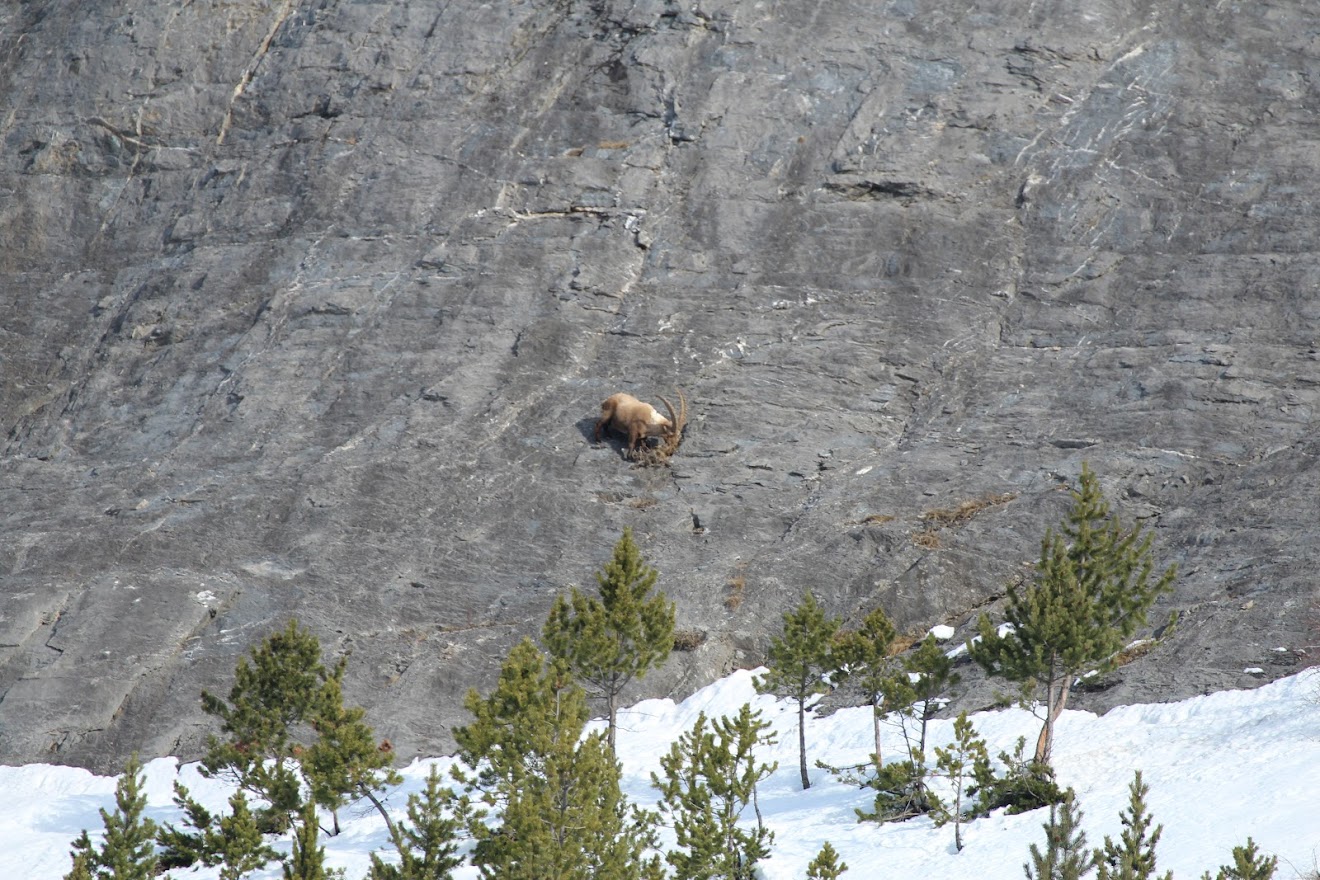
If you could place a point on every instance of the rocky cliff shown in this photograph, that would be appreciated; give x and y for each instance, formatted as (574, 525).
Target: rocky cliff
(307, 308)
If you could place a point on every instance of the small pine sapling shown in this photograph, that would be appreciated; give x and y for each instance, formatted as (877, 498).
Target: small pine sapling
(281, 691)
(307, 858)
(127, 850)
(555, 794)
(955, 763)
(233, 841)
(428, 847)
(915, 691)
(1025, 784)
(923, 689)
(1065, 856)
(1132, 857)
(798, 662)
(826, 864)
(1248, 864)
(710, 777)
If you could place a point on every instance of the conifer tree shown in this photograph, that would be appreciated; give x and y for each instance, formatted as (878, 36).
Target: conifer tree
(1093, 588)
(610, 641)
(920, 690)
(428, 847)
(82, 863)
(1065, 856)
(955, 763)
(127, 850)
(710, 777)
(234, 841)
(280, 694)
(344, 762)
(1248, 864)
(239, 843)
(865, 656)
(798, 661)
(307, 859)
(912, 690)
(556, 797)
(826, 864)
(1024, 785)
(1132, 857)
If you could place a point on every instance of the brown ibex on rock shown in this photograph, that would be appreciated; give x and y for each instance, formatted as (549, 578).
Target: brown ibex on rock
(637, 421)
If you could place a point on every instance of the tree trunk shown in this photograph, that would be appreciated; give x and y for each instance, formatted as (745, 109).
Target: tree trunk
(875, 720)
(366, 792)
(802, 743)
(1056, 697)
(612, 707)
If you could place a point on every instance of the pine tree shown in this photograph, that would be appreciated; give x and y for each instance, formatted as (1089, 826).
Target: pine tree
(711, 774)
(1065, 856)
(1025, 785)
(921, 689)
(1092, 591)
(127, 850)
(273, 693)
(82, 863)
(279, 694)
(307, 860)
(234, 841)
(912, 690)
(955, 763)
(826, 864)
(610, 641)
(865, 658)
(1133, 856)
(1248, 864)
(798, 661)
(560, 813)
(239, 843)
(428, 848)
(344, 761)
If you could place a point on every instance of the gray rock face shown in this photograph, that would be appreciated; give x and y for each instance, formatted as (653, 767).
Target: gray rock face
(307, 308)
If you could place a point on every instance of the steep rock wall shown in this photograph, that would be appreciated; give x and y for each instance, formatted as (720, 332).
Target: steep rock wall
(306, 309)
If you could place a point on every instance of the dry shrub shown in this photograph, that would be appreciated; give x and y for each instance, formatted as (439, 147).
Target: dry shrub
(1137, 649)
(927, 540)
(903, 641)
(689, 639)
(944, 517)
(737, 590)
(877, 519)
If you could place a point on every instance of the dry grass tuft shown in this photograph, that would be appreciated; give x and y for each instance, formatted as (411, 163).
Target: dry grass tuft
(1137, 649)
(904, 641)
(689, 639)
(927, 540)
(942, 517)
(737, 590)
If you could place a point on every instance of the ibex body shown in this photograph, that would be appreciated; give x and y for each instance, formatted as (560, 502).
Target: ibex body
(637, 420)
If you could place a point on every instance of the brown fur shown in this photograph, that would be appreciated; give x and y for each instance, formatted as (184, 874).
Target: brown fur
(637, 420)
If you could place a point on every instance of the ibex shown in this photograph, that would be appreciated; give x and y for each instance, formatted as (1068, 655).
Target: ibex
(638, 421)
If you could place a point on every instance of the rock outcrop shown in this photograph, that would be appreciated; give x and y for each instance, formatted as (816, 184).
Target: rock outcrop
(307, 308)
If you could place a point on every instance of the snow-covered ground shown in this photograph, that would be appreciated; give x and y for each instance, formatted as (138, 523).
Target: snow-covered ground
(1220, 768)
